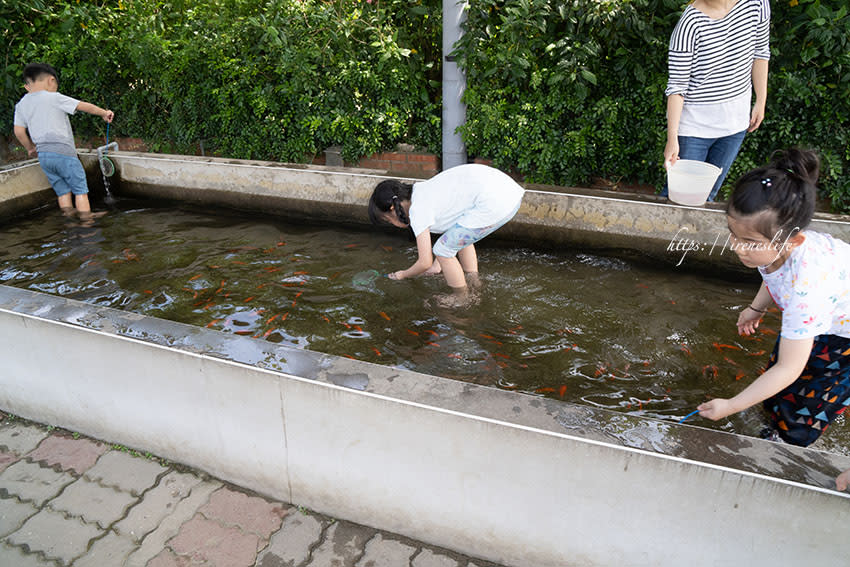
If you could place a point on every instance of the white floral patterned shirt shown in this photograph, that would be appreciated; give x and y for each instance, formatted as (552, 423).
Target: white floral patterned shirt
(812, 288)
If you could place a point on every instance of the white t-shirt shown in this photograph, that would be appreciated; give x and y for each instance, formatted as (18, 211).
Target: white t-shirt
(471, 195)
(45, 115)
(812, 288)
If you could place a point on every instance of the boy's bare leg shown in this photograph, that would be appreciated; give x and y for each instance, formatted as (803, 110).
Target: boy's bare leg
(82, 204)
(66, 205)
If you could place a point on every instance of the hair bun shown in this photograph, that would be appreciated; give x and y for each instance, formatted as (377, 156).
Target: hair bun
(802, 163)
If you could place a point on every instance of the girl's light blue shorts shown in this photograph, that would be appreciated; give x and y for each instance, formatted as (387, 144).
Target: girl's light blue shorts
(459, 237)
(65, 173)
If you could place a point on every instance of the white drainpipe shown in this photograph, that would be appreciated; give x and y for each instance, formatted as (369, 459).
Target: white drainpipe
(454, 83)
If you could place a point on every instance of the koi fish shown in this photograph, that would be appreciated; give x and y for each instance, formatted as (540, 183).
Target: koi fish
(272, 318)
(709, 369)
(351, 246)
(214, 267)
(384, 315)
(249, 299)
(432, 333)
(684, 348)
(414, 333)
(284, 316)
(212, 323)
(433, 344)
(387, 248)
(740, 375)
(326, 318)
(269, 332)
(545, 390)
(300, 273)
(501, 355)
(376, 351)
(562, 390)
(455, 355)
(281, 243)
(239, 262)
(271, 269)
(358, 328)
(768, 331)
(149, 292)
(208, 305)
(486, 336)
(720, 346)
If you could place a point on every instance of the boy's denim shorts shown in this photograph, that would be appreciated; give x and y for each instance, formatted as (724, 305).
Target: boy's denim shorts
(65, 173)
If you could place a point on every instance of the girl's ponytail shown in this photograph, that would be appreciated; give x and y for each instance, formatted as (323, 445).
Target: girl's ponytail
(386, 194)
(785, 187)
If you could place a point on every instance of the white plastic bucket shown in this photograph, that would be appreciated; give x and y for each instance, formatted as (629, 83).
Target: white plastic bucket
(689, 182)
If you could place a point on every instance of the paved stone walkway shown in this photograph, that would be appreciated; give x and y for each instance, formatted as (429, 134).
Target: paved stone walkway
(69, 501)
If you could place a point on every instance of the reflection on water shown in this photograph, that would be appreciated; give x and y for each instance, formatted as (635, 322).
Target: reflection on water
(609, 332)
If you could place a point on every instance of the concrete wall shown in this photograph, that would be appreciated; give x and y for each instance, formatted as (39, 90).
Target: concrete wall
(549, 216)
(418, 455)
(508, 477)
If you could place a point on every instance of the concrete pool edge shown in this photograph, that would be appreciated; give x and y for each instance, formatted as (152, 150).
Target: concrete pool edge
(508, 477)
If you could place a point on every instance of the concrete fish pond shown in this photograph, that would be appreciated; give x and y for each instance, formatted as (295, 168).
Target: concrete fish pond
(241, 344)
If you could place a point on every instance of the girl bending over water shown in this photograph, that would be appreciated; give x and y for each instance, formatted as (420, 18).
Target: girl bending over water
(464, 203)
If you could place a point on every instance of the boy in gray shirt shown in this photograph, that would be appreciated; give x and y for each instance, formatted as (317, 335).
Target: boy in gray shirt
(42, 126)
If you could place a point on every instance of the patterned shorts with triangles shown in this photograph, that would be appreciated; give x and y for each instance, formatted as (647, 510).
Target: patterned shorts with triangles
(804, 410)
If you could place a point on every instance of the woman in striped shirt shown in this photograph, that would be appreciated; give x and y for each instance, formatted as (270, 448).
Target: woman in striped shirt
(718, 55)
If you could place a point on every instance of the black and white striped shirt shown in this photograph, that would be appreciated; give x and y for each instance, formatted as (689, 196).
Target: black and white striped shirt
(711, 61)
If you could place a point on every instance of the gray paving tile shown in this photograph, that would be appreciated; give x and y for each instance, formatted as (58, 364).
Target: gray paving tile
(15, 557)
(291, 544)
(156, 504)
(29, 481)
(110, 550)
(13, 514)
(54, 535)
(126, 472)
(93, 503)
(383, 552)
(20, 438)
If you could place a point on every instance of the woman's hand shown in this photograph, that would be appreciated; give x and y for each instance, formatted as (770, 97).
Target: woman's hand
(715, 409)
(395, 276)
(748, 321)
(671, 152)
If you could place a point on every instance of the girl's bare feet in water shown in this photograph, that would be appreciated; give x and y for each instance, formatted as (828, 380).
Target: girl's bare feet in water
(434, 269)
(459, 298)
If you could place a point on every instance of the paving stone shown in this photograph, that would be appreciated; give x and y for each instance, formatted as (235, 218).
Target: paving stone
(69, 454)
(93, 503)
(156, 504)
(15, 557)
(19, 438)
(29, 481)
(54, 535)
(291, 545)
(170, 525)
(342, 546)
(383, 552)
(109, 550)
(203, 540)
(428, 558)
(7, 459)
(13, 514)
(126, 472)
(167, 559)
(251, 513)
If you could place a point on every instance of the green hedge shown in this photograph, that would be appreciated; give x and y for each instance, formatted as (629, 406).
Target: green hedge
(562, 91)
(568, 91)
(261, 79)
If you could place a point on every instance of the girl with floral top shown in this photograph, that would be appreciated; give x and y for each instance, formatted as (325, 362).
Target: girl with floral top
(807, 275)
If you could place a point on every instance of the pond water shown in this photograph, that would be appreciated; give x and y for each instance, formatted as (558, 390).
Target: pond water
(610, 331)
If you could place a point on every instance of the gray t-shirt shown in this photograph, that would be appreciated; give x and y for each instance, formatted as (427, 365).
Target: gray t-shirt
(45, 115)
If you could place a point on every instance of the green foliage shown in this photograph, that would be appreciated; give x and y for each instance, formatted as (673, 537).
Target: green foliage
(261, 79)
(569, 91)
(561, 91)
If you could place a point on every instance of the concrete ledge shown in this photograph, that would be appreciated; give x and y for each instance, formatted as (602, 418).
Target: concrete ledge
(508, 477)
(549, 216)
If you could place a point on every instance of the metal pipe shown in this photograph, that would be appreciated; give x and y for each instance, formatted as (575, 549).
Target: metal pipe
(454, 83)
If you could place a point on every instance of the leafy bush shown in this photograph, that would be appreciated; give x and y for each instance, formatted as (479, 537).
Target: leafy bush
(561, 91)
(568, 91)
(262, 79)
